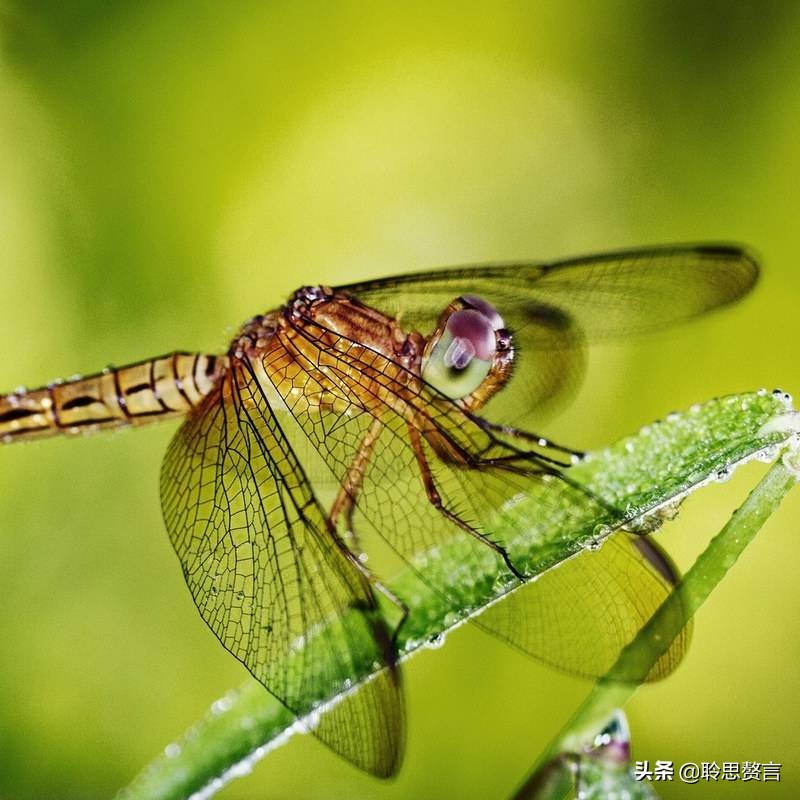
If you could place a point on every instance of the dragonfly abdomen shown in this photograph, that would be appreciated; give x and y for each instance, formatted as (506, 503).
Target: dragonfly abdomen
(155, 389)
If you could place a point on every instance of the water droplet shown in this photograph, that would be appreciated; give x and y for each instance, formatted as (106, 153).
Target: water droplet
(762, 392)
(436, 641)
(791, 460)
(723, 474)
(601, 531)
(595, 541)
(21, 390)
(451, 618)
(638, 524)
(222, 705)
(243, 768)
(768, 454)
(172, 750)
(590, 543)
(363, 558)
(503, 582)
(784, 397)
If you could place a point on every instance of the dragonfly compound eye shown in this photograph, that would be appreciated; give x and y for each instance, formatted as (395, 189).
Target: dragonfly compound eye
(486, 308)
(462, 356)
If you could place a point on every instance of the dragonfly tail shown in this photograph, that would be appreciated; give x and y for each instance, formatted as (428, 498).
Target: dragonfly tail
(156, 389)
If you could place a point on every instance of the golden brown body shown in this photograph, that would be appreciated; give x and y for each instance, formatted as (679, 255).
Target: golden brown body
(160, 388)
(322, 337)
(352, 353)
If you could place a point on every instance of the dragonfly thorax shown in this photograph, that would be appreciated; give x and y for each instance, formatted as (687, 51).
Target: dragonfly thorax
(346, 323)
(255, 335)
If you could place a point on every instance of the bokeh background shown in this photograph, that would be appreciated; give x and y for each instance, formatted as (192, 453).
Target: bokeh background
(169, 168)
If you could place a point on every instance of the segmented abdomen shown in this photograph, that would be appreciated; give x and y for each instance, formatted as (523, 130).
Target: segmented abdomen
(159, 388)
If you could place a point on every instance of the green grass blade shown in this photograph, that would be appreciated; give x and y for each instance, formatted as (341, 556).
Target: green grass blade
(656, 636)
(638, 475)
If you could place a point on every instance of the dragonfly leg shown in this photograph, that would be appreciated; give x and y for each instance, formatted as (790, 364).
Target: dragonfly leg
(527, 436)
(347, 496)
(345, 504)
(545, 469)
(546, 463)
(376, 583)
(434, 498)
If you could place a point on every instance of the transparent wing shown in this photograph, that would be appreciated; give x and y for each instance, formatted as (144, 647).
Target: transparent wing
(553, 309)
(588, 608)
(580, 614)
(268, 577)
(328, 396)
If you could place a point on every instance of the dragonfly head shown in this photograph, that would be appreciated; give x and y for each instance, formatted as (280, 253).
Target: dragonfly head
(468, 357)
(301, 302)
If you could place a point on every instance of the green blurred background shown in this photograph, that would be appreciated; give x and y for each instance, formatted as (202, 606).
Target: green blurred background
(169, 169)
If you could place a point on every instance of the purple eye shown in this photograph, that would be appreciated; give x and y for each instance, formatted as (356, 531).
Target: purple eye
(485, 308)
(473, 337)
(458, 359)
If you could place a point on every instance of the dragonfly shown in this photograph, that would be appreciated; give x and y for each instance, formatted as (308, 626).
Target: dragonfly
(392, 413)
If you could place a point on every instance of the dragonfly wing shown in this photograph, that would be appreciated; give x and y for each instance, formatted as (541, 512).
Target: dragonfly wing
(589, 299)
(333, 411)
(608, 295)
(332, 394)
(334, 407)
(580, 614)
(270, 580)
